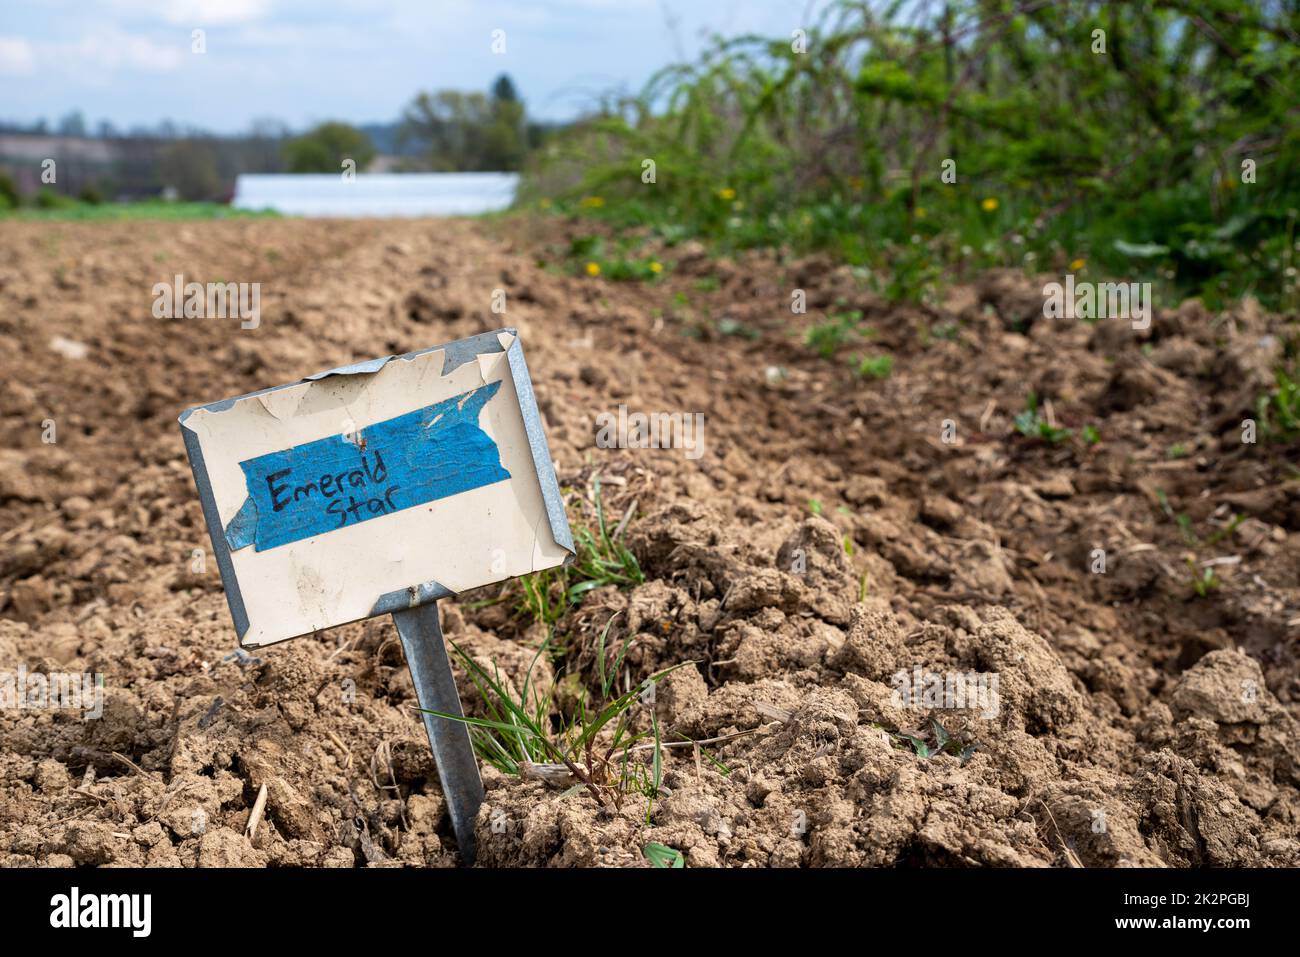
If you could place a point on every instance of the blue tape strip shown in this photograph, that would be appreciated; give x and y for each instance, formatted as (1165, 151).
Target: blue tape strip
(336, 482)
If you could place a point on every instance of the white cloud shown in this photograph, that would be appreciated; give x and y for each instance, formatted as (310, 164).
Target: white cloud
(199, 13)
(204, 12)
(113, 49)
(16, 57)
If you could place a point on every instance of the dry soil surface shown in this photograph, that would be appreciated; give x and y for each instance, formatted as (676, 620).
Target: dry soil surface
(837, 531)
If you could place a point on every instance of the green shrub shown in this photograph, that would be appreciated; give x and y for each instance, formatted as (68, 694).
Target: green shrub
(1136, 160)
(9, 198)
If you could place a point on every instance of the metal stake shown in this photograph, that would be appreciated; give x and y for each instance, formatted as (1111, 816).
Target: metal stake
(426, 656)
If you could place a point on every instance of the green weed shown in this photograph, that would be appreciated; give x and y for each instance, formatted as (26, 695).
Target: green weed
(830, 335)
(602, 559)
(1279, 410)
(944, 743)
(875, 367)
(598, 748)
(1030, 423)
(661, 855)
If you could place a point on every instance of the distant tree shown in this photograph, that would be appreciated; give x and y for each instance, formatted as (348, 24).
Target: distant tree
(449, 124)
(507, 135)
(469, 131)
(74, 124)
(263, 149)
(503, 89)
(190, 167)
(323, 149)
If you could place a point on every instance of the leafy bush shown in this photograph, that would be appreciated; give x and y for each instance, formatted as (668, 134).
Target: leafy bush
(1159, 150)
(48, 199)
(9, 197)
(324, 148)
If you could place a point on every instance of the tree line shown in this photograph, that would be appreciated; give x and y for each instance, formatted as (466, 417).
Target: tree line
(441, 131)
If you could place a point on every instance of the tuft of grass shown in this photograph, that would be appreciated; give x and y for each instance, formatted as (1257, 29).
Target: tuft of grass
(875, 367)
(1204, 580)
(602, 559)
(1188, 528)
(598, 748)
(827, 337)
(66, 209)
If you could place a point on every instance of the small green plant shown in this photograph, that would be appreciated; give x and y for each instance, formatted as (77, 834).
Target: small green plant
(734, 327)
(1279, 410)
(598, 748)
(591, 256)
(913, 273)
(661, 855)
(1204, 580)
(1030, 423)
(827, 337)
(1188, 528)
(944, 743)
(875, 367)
(602, 559)
(1091, 434)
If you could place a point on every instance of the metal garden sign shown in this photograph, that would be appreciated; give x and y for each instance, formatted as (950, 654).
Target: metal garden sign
(377, 489)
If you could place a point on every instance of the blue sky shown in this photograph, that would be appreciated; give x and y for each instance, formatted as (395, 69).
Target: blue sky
(302, 61)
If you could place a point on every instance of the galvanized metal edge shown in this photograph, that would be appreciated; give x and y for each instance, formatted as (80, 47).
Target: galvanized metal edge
(402, 598)
(216, 531)
(541, 451)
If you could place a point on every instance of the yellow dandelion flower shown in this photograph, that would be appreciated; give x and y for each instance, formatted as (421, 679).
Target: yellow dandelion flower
(727, 193)
(593, 269)
(920, 212)
(1078, 264)
(989, 204)
(656, 267)
(593, 202)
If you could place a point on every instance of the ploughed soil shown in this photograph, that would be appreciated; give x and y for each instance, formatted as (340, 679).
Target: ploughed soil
(835, 531)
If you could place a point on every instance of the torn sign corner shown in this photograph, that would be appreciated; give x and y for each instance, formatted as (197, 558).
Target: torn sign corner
(281, 403)
(222, 406)
(488, 363)
(368, 367)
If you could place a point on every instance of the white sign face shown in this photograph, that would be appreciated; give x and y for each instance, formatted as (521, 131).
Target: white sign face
(376, 487)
